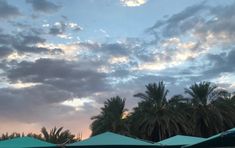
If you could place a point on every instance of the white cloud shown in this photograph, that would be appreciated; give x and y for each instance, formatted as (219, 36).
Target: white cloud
(16, 56)
(104, 69)
(20, 85)
(70, 50)
(133, 3)
(45, 25)
(72, 25)
(64, 36)
(174, 52)
(104, 32)
(78, 103)
(118, 60)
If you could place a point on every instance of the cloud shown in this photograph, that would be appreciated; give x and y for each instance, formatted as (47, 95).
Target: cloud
(217, 28)
(79, 103)
(44, 6)
(47, 79)
(24, 42)
(5, 51)
(220, 63)
(65, 75)
(133, 3)
(27, 43)
(196, 31)
(60, 28)
(8, 11)
(180, 22)
(114, 49)
(30, 104)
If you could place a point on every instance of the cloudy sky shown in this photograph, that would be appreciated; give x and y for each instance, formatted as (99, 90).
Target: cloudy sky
(60, 60)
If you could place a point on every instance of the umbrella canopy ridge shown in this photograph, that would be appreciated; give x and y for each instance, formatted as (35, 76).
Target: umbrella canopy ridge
(24, 142)
(179, 140)
(223, 139)
(109, 138)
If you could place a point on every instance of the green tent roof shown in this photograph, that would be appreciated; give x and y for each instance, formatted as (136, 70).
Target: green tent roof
(24, 142)
(223, 139)
(109, 138)
(180, 140)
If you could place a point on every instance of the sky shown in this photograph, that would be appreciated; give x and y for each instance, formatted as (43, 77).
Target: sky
(60, 60)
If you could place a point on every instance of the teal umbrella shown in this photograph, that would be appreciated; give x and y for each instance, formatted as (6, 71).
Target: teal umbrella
(24, 142)
(109, 139)
(179, 141)
(224, 139)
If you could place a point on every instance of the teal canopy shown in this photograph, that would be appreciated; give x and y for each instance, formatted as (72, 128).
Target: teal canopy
(179, 140)
(224, 139)
(24, 142)
(109, 138)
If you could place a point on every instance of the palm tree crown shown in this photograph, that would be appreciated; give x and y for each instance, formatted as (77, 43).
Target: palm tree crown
(111, 117)
(154, 117)
(201, 93)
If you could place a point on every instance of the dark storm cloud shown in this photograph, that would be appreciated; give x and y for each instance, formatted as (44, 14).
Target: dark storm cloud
(130, 48)
(114, 49)
(30, 49)
(43, 6)
(55, 31)
(62, 74)
(215, 65)
(5, 45)
(221, 63)
(154, 78)
(120, 73)
(6, 39)
(220, 19)
(20, 25)
(5, 51)
(180, 22)
(7, 10)
(31, 39)
(186, 13)
(208, 26)
(33, 104)
(222, 22)
(25, 42)
(61, 27)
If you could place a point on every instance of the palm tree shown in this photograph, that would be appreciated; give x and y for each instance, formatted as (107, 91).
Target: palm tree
(37, 136)
(226, 104)
(7, 136)
(58, 136)
(201, 93)
(206, 117)
(154, 119)
(111, 117)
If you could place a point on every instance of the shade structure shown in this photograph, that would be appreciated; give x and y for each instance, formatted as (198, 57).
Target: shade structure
(179, 141)
(25, 142)
(109, 139)
(224, 139)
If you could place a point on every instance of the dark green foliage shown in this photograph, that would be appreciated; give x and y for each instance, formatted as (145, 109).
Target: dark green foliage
(155, 117)
(111, 117)
(7, 136)
(58, 136)
(205, 112)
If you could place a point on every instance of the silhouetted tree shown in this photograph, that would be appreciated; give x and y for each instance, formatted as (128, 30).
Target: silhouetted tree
(58, 136)
(111, 117)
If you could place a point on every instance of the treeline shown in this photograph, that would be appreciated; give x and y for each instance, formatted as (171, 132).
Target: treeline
(206, 111)
(55, 135)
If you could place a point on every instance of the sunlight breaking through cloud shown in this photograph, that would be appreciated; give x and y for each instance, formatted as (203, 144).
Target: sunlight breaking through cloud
(78, 103)
(133, 3)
